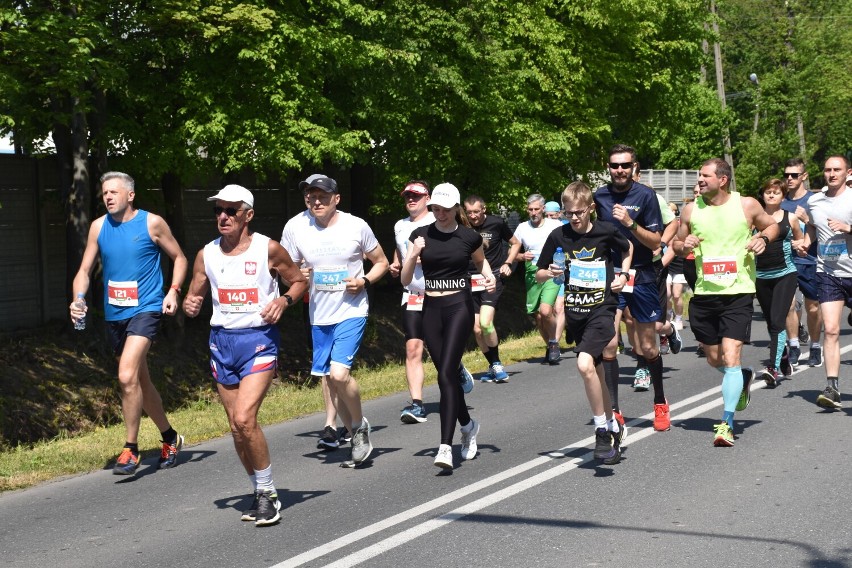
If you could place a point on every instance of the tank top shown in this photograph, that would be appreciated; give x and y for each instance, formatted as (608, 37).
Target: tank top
(241, 285)
(133, 281)
(777, 259)
(722, 264)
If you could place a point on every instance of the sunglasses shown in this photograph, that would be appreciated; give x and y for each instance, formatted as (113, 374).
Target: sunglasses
(231, 211)
(413, 196)
(622, 165)
(794, 175)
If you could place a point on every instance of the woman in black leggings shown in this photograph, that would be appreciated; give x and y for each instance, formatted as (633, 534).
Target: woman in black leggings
(444, 249)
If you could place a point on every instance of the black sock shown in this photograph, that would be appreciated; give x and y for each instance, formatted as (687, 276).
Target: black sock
(656, 368)
(491, 356)
(133, 447)
(834, 382)
(417, 401)
(611, 372)
(169, 436)
(641, 363)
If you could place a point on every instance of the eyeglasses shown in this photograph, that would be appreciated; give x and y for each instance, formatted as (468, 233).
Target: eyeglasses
(794, 175)
(622, 165)
(412, 196)
(231, 211)
(578, 213)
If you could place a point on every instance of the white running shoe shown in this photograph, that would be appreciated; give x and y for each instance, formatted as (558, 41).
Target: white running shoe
(469, 448)
(444, 458)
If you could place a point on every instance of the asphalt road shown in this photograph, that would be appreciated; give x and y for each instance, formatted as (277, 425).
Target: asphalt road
(533, 497)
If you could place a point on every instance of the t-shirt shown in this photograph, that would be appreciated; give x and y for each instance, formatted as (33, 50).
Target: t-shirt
(241, 286)
(790, 205)
(589, 270)
(494, 231)
(641, 201)
(446, 256)
(832, 248)
(333, 253)
(532, 238)
(401, 231)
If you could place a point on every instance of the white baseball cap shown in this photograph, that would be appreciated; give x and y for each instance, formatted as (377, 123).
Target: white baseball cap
(445, 195)
(234, 193)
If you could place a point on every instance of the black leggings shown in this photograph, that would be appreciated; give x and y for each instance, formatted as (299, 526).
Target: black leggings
(775, 295)
(447, 323)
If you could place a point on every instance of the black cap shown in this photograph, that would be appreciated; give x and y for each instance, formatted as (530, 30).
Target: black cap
(319, 181)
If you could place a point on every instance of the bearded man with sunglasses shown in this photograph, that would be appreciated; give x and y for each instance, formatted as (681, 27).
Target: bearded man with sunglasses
(241, 269)
(796, 202)
(633, 208)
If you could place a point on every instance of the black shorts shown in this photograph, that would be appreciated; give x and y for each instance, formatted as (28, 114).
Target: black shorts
(488, 298)
(146, 324)
(715, 316)
(412, 323)
(661, 273)
(594, 332)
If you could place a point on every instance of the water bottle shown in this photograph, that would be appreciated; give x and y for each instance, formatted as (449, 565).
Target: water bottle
(80, 302)
(559, 260)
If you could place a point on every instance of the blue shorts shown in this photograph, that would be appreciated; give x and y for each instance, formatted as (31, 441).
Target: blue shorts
(238, 353)
(336, 343)
(834, 289)
(807, 278)
(145, 324)
(643, 301)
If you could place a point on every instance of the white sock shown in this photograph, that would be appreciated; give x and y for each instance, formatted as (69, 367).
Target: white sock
(600, 421)
(793, 342)
(264, 479)
(815, 345)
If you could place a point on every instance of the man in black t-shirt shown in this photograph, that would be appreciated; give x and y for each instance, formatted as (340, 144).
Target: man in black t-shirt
(494, 232)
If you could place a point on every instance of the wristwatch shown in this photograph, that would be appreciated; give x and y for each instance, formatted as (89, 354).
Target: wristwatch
(288, 299)
(366, 282)
(634, 226)
(765, 239)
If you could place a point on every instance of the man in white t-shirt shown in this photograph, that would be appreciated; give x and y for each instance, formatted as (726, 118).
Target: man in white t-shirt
(333, 244)
(540, 297)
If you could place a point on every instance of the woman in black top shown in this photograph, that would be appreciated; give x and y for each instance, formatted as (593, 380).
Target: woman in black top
(444, 249)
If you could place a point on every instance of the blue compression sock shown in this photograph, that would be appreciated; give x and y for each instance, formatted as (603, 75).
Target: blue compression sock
(732, 387)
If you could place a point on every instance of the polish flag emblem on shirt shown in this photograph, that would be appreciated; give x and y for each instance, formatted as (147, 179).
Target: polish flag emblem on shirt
(251, 268)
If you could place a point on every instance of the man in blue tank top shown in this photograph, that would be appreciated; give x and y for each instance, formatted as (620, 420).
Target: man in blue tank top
(129, 241)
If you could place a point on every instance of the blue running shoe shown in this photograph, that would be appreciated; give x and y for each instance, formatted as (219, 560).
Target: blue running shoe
(815, 358)
(466, 379)
(169, 453)
(414, 414)
(498, 373)
(126, 463)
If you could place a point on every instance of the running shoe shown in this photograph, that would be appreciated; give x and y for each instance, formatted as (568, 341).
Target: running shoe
(664, 345)
(723, 436)
(465, 378)
(829, 399)
(468, 440)
(126, 463)
(344, 436)
(745, 395)
(488, 376)
(604, 448)
(169, 453)
(619, 438)
(553, 352)
(804, 336)
(662, 417)
(769, 376)
(498, 372)
(361, 446)
(700, 351)
(268, 507)
(328, 439)
(786, 368)
(444, 457)
(642, 379)
(250, 514)
(675, 341)
(815, 357)
(413, 414)
(793, 354)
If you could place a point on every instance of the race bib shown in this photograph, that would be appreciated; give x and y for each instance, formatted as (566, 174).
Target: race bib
(589, 274)
(833, 250)
(123, 294)
(477, 282)
(330, 278)
(414, 302)
(720, 269)
(237, 299)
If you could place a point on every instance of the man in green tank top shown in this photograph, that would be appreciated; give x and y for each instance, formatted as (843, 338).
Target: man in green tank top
(717, 227)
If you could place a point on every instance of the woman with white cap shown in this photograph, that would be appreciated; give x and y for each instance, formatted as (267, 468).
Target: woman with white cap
(445, 249)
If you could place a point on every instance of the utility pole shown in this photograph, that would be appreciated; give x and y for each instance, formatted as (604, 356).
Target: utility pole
(720, 90)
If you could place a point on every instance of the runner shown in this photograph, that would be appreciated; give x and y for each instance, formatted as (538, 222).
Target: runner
(494, 232)
(129, 241)
(445, 249)
(241, 270)
(717, 227)
(590, 304)
(333, 245)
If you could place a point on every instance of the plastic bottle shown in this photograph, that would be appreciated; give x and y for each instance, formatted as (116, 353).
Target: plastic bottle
(80, 302)
(559, 260)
